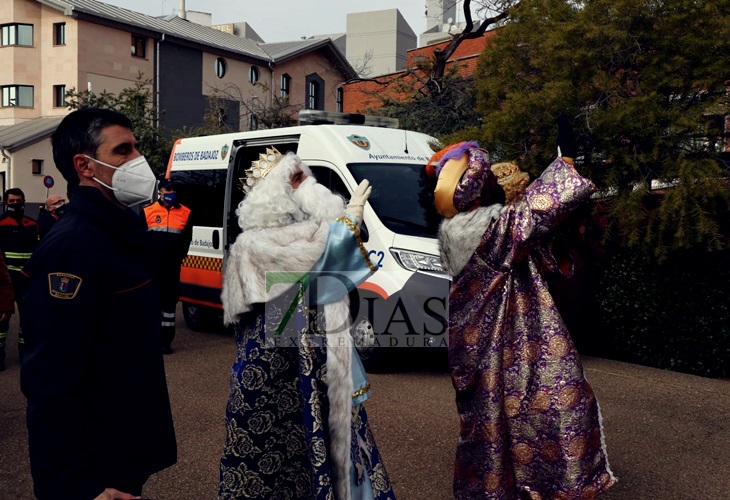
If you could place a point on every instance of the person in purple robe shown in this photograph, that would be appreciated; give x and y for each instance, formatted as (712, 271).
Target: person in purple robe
(530, 425)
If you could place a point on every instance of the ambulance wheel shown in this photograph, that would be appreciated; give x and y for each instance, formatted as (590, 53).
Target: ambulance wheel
(374, 358)
(198, 318)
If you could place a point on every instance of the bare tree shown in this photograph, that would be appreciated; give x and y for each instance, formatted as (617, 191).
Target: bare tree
(431, 74)
(362, 65)
(434, 96)
(441, 56)
(268, 111)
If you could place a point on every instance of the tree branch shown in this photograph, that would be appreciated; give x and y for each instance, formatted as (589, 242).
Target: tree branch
(442, 56)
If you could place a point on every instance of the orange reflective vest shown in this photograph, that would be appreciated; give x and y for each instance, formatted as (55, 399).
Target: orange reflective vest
(160, 218)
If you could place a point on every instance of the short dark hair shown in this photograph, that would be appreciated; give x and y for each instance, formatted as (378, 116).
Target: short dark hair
(14, 191)
(80, 132)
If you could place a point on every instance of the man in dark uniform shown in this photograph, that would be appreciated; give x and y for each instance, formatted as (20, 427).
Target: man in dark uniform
(99, 419)
(18, 240)
(169, 232)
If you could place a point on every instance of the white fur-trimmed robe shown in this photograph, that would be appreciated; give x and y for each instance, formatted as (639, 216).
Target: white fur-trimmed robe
(296, 248)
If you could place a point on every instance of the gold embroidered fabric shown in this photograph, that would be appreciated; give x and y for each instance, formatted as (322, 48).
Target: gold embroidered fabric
(360, 392)
(276, 416)
(530, 423)
(348, 222)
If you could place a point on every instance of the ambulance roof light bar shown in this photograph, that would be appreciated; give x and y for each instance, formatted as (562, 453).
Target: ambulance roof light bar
(317, 117)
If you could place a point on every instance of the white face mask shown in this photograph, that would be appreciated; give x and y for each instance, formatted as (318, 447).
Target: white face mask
(133, 182)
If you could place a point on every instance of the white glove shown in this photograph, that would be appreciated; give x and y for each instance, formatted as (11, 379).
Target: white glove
(357, 202)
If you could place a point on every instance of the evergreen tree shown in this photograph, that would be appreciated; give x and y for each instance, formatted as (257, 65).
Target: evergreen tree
(646, 83)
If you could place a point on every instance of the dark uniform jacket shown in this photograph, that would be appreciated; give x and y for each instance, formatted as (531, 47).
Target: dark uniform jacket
(98, 409)
(46, 221)
(18, 240)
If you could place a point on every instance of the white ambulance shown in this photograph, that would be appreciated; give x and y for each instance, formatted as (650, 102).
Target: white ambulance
(404, 304)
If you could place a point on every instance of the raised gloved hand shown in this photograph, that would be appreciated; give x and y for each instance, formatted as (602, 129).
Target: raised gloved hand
(566, 138)
(357, 202)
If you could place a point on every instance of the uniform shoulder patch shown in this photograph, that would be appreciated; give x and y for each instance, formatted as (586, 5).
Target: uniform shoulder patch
(63, 285)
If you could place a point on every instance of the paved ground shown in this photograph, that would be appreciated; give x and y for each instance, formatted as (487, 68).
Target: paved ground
(668, 434)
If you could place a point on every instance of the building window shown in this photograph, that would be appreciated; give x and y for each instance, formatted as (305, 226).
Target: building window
(220, 67)
(17, 34)
(59, 34)
(139, 46)
(20, 96)
(340, 97)
(312, 95)
(253, 75)
(36, 167)
(59, 96)
(285, 85)
(314, 98)
(253, 122)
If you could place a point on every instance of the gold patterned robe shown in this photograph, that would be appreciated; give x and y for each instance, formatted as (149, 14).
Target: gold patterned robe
(530, 422)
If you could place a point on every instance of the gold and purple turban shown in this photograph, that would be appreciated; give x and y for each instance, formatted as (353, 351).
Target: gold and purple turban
(465, 179)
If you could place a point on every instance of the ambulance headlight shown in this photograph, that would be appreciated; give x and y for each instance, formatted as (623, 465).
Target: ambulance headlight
(415, 261)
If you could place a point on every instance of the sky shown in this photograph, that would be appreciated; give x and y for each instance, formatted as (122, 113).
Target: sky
(284, 20)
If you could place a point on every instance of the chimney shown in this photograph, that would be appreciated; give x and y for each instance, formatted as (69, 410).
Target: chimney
(182, 14)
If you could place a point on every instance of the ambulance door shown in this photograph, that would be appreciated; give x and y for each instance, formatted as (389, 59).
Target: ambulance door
(201, 273)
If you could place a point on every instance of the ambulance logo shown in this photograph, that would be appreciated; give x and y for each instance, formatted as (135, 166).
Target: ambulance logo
(224, 151)
(360, 141)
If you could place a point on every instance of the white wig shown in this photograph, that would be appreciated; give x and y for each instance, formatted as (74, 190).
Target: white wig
(272, 202)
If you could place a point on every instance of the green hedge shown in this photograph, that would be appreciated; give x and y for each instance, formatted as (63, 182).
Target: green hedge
(673, 315)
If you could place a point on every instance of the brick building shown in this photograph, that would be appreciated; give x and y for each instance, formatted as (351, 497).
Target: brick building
(48, 47)
(364, 95)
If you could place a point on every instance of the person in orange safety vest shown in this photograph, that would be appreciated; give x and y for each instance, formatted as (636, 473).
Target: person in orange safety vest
(169, 231)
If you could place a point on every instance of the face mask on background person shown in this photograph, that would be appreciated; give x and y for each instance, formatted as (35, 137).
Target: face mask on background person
(169, 198)
(133, 182)
(59, 210)
(16, 209)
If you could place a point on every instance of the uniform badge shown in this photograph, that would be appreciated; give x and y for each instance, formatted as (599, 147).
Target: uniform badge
(158, 219)
(63, 286)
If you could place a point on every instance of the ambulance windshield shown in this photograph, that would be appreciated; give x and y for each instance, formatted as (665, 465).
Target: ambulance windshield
(402, 197)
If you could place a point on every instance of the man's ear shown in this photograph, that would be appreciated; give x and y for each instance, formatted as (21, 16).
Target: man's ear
(83, 166)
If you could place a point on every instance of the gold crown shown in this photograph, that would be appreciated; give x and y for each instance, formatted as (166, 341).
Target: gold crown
(512, 179)
(505, 169)
(260, 168)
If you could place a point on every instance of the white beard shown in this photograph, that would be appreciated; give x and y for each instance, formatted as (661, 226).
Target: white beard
(317, 202)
